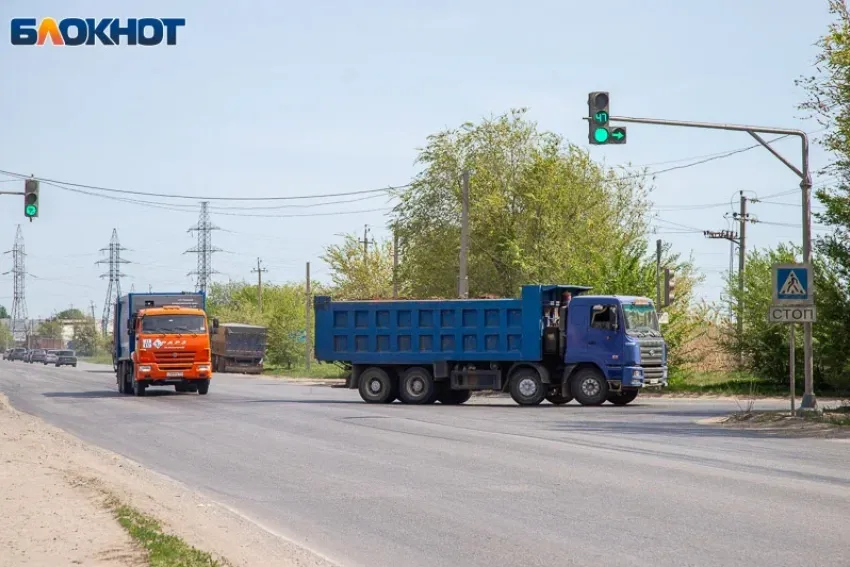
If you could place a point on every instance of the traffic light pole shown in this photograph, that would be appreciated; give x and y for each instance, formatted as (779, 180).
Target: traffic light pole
(809, 402)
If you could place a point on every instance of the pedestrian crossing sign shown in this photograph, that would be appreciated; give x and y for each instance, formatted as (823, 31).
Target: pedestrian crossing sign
(792, 283)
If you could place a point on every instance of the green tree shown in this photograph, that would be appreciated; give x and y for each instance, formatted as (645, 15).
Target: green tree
(51, 328)
(3, 313)
(73, 314)
(87, 338)
(356, 276)
(6, 338)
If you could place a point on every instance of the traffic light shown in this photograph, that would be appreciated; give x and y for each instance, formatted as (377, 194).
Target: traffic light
(31, 198)
(669, 287)
(601, 132)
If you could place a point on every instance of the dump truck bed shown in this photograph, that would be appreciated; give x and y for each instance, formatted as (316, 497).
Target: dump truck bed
(423, 332)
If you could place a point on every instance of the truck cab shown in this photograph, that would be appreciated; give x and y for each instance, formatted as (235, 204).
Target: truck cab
(619, 335)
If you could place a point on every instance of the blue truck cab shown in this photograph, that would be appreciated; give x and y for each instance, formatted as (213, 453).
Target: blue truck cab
(555, 342)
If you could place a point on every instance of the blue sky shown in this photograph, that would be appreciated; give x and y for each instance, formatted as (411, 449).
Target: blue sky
(284, 98)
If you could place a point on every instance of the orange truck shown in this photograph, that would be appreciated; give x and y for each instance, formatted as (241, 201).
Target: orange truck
(162, 339)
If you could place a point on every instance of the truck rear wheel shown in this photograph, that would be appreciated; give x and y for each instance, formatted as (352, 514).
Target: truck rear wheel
(589, 387)
(416, 386)
(622, 398)
(119, 377)
(376, 387)
(527, 388)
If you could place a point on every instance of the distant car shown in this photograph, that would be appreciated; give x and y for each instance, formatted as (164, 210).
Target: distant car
(50, 357)
(65, 358)
(17, 354)
(38, 355)
(28, 356)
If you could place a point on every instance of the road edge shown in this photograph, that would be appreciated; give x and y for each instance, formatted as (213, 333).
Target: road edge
(216, 527)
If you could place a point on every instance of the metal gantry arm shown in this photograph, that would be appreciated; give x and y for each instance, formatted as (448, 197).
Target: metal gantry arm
(809, 401)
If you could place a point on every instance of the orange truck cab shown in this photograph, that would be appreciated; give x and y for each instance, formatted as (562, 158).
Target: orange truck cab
(162, 339)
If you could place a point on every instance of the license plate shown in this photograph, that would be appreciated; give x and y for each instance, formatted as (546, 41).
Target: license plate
(174, 374)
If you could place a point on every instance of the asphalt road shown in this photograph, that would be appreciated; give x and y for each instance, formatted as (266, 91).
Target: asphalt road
(478, 485)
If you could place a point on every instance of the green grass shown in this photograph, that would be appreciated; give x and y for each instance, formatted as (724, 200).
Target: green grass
(163, 550)
(725, 383)
(101, 358)
(317, 370)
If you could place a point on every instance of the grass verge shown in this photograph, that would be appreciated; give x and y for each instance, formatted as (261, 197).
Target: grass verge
(736, 384)
(102, 358)
(163, 550)
(317, 370)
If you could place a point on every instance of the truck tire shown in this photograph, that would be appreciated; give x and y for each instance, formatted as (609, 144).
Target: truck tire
(376, 386)
(449, 397)
(416, 386)
(622, 398)
(139, 388)
(527, 389)
(558, 399)
(203, 387)
(589, 387)
(119, 377)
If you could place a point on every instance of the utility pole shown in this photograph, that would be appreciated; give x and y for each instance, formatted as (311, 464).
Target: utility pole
(743, 218)
(204, 249)
(365, 243)
(19, 302)
(395, 262)
(733, 239)
(658, 245)
(259, 271)
(463, 279)
(91, 304)
(113, 289)
(309, 310)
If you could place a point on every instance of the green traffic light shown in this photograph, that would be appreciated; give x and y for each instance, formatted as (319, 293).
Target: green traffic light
(601, 135)
(31, 210)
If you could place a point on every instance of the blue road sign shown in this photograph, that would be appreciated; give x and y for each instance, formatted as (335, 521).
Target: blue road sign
(792, 283)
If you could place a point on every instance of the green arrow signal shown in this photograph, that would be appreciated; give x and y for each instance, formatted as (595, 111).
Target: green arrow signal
(618, 134)
(30, 210)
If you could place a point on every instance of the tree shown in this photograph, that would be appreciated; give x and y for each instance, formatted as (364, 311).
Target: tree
(765, 345)
(86, 338)
(358, 276)
(828, 100)
(51, 328)
(72, 314)
(540, 211)
(7, 340)
(3, 313)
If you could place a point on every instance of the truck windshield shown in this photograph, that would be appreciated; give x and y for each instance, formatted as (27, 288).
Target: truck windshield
(165, 324)
(641, 318)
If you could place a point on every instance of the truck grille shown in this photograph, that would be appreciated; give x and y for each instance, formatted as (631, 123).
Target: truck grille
(652, 353)
(175, 360)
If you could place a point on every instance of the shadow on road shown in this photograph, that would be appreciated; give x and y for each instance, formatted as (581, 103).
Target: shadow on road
(107, 394)
(662, 429)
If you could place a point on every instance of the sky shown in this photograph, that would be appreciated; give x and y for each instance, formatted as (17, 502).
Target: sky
(265, 98)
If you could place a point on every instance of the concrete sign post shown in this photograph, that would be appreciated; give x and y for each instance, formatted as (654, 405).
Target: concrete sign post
(794, 302)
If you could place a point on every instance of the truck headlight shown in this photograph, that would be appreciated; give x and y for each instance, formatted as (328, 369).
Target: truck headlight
(204, 368)
(635, 373)
(144, 368)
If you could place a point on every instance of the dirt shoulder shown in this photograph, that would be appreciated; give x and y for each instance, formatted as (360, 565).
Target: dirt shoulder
(825, 425)
(52, 508)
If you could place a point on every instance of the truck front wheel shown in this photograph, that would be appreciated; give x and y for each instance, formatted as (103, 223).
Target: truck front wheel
(622, 398)
(203, 387)
(589, 387)
(139, 388)
(527, 388)
(416, 386)
(376, 387)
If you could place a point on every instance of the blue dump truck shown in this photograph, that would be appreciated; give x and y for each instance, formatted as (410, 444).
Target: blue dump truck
(556, 343)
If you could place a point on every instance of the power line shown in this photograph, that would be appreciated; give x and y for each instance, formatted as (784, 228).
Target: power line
(199, 197)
